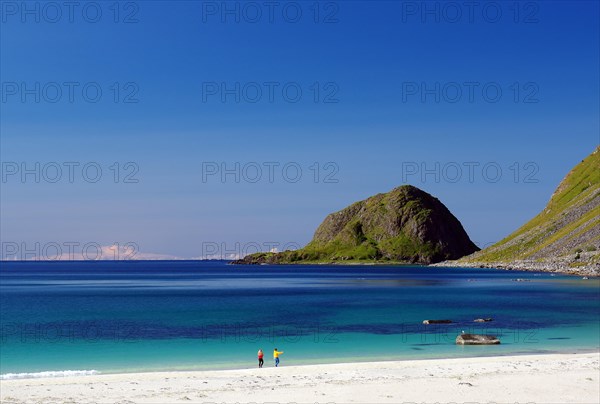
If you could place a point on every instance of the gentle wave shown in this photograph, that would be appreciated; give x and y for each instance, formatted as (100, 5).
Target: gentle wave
(58, 373)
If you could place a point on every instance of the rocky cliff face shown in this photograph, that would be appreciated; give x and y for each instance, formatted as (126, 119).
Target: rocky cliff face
(404, 225)
(564, 237)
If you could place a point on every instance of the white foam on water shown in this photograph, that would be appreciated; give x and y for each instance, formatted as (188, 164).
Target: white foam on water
(58, 373)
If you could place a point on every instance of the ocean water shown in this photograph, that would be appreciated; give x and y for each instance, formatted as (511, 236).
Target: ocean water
(106, 316)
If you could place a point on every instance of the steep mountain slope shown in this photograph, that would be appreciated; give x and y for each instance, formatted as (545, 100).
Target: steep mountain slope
(565, 236)
(404, 225)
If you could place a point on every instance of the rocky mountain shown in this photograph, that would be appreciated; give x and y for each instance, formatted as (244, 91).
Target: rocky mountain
(564, 237)
(405, 225)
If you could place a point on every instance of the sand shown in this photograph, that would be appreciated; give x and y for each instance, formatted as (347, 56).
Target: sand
(555, 378)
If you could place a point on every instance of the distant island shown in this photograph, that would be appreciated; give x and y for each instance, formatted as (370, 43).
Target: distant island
(405, 225)
(564, 237)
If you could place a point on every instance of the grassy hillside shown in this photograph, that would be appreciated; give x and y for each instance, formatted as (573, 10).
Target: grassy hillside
(565, 233)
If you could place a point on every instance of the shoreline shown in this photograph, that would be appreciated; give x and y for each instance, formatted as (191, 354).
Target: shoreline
(556, 377)
(525, 266)
(58, 374)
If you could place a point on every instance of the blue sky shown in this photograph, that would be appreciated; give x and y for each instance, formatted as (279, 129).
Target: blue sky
(393, 82)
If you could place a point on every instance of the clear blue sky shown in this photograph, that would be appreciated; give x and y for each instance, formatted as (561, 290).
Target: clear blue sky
(376, 63)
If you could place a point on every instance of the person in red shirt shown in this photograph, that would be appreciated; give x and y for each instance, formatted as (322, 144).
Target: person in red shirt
(260, 358)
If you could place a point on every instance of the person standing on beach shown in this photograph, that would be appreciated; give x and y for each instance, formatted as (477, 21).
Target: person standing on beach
(276, 354)
(260, 358)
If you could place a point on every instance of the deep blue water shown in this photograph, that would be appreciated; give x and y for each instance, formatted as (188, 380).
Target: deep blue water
(157, 315)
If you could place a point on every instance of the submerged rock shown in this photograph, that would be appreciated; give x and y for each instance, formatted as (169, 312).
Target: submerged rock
(437, 321)
(477, 339)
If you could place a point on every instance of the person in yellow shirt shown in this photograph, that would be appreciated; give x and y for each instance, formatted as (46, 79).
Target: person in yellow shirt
(276, 354)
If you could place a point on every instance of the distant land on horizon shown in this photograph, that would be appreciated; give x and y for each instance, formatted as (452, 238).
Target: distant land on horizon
(410, 226)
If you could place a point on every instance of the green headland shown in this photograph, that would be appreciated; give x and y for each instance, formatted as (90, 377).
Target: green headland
(405, 225)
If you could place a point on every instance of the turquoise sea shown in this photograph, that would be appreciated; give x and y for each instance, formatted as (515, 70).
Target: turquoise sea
(125, 316)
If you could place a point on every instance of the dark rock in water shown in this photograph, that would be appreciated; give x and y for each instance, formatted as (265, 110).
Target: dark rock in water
(437, 321)
(483, 320)
(477, 339)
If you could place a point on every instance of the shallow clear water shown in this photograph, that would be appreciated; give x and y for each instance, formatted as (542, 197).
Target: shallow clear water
(135, 315)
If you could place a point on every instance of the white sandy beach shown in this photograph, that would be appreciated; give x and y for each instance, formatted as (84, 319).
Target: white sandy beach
(555, 378)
